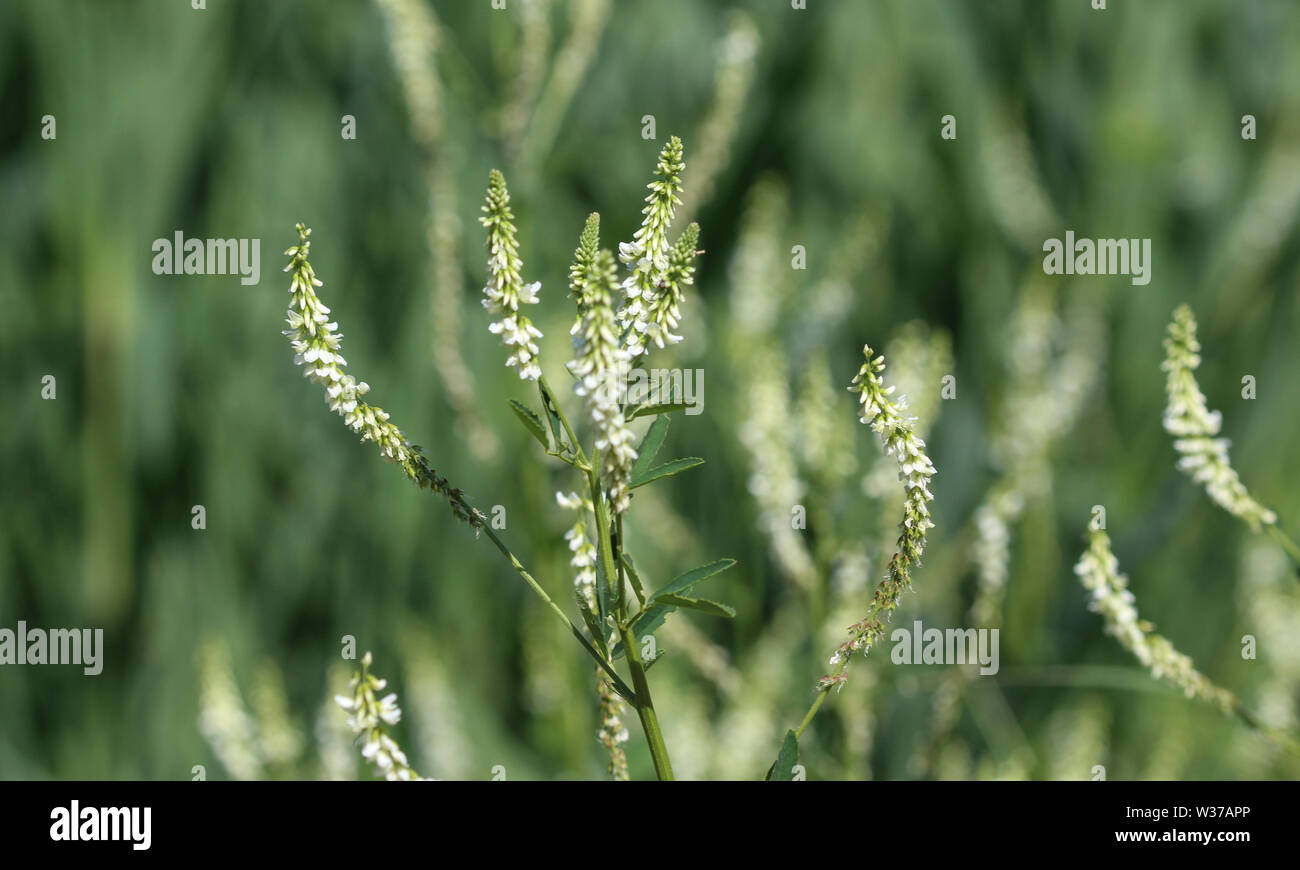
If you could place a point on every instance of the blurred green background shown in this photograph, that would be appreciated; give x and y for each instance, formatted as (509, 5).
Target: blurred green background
(817, 128)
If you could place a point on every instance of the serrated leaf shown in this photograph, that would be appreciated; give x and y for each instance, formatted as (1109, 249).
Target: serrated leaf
(682, 583)
(703, 605)
(657, 408)
(676, 466)
(786, 759)
(649, 446)
(532, 422)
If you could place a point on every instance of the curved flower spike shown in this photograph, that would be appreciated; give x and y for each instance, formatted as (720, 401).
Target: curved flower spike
(316, 341)
(896, 433)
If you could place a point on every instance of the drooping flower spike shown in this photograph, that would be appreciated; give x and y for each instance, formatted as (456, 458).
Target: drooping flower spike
(316, 342)
(1202, 454)
(1098, 570)
(897, 435)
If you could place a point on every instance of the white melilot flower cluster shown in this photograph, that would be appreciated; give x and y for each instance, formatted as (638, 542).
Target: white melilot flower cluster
(921, 357)
(1194, 427)
(1098, 570)
(613, 733)
(316, 340)
(664, 311)
(599, 364)
(896, 433)
(647, 255)
(505, 290)
(368, 716)
(582, 547)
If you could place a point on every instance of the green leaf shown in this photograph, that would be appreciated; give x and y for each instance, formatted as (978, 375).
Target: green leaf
(673, 596)
(647, 623)
(593, 625)
(668, 468)
(651, 620)
(634, 577)
(701, 604)
(548, 403)
(531, 422)
(619, 686)
(649, 446)
(786, 759)
(683, 582)
(648, 410)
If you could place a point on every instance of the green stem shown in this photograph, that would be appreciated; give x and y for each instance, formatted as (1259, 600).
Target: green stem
(645, 707)
(812, 711)
(644, 704)
(1275, 736)
(1286, 543)
(617, 547)
(608, 539)
(564, 420)
(602, 533)
(872, 613)
(619, 684)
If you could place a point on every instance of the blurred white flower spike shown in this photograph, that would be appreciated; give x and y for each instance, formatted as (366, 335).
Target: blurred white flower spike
(1202, 454)
(368, 716)
(1098, 570)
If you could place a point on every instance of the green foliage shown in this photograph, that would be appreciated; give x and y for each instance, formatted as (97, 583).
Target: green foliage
(176, 391)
